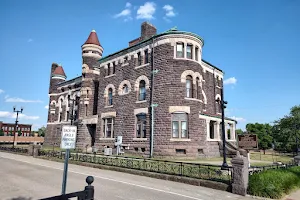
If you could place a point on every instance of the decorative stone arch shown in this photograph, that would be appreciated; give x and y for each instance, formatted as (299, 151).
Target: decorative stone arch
(218, 96)
(53, 102)
(59, 101)
(185, 74)
(197, 75)
(204, 97)
(108, 87)
(125, 82)
(137, 82)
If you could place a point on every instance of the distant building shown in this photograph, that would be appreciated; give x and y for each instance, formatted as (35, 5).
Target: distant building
(9, 128)
(117, 92)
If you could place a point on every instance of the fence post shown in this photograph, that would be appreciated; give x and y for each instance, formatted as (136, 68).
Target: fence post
(240, 165)
(89, 189)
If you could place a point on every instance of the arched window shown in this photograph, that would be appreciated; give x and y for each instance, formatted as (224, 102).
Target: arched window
(125, 89)
(109, 102)
(142, 90)
(189, 86)
(197, 88)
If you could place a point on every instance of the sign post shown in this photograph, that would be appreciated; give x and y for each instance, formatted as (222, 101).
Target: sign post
(68, 140)
(248, 142)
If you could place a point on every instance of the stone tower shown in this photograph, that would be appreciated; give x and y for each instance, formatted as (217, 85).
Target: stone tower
(88, 113)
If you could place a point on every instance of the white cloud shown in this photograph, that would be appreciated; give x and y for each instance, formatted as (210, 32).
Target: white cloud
(169, 11)
(47, 107)
(6, 114)
(1, 91)
(30, 40)
(20, 100)
(128, 5)
(229, 81)
(239, 119)
(126, 13)
(123, 13)
(146, 11)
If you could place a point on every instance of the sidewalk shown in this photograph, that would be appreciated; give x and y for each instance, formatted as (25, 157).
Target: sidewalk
(294, 196)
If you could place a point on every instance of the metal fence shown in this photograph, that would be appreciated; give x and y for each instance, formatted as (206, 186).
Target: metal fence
(258, 169)
(14, 149)
(192, 170)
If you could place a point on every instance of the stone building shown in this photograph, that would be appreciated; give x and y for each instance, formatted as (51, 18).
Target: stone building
(159, 85)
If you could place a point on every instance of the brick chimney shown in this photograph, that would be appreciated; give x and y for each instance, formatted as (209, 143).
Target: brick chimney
(147, 31)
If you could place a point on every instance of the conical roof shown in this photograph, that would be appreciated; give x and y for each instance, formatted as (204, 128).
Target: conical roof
(59, 71)
(93, 39)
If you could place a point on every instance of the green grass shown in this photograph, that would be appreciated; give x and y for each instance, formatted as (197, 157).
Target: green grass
(274, 183)
(271, 157)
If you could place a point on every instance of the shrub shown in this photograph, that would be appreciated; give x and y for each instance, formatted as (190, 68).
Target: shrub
(274, 183)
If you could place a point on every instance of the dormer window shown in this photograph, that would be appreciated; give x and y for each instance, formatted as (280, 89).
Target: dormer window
(125, 59)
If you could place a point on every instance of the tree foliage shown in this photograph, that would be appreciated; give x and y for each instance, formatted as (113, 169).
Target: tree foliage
(1, 132)
(239, 131)
(42, 131)
(286, 130)
(264, 133)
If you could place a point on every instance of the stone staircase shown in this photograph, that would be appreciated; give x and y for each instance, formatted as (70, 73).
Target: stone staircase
(231, 149)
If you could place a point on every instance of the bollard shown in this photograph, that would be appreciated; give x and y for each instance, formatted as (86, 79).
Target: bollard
(89, 189)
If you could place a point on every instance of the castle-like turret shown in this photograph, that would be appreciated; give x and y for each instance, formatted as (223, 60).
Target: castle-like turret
(91, 50)
(57, 76)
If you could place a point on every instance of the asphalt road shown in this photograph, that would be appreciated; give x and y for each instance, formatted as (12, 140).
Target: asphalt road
(27, 177)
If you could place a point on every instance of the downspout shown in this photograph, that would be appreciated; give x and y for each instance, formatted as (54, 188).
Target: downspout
(214, 98)
(151, 100)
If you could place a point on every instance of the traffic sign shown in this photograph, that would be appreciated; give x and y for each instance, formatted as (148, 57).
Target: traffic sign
(68, 137)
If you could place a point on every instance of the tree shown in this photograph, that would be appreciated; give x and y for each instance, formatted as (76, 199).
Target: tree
(239, 131)
(42, 131)
(1, 132)
(19, 133)
(264, 134)
(286, 130)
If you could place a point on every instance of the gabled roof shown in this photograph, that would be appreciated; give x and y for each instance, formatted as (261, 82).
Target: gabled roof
(59, 71)
(93, 39)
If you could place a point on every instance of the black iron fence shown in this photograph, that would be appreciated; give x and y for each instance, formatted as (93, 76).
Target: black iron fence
(192, 170)
(14, 149)
(86, 194)
(258, 169)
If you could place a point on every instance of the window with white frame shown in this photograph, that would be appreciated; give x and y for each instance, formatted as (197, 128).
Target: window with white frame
(196, 53)
(108, 127)
(142, 91)
(109, 98)
(125, 89)
(179, 50)
(139, 58)
(179, 125)
(141, 120)
(189, 50)
(189, 86)
(212, 129)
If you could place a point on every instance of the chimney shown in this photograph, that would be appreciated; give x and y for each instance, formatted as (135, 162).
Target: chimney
(147, 30)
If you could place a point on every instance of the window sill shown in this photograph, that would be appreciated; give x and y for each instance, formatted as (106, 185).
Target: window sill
(107, 139)
(144, 65)
(180, 140)
(144, 101)
(110, 76)
(125, 64)
(139, 139)
(193, 99)
(109, 106)
(212, 140)
(218, 87)
(186, 59)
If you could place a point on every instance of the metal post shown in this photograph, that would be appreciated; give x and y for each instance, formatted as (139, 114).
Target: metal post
(89, 189)
(64, 183)
(224, 165)
(152, 131)
(151, 99)
(16, 124)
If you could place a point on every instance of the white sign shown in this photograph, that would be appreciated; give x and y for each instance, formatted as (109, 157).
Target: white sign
(68, 137)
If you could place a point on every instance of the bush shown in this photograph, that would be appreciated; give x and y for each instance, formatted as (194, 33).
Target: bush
(274, 183)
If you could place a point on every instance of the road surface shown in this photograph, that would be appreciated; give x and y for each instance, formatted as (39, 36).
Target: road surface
(28, 177)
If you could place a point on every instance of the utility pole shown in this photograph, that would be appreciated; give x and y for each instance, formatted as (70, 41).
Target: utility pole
(16, 123)
(223, 106)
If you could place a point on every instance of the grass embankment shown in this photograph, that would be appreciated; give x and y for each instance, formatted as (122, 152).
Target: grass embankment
(274, 183)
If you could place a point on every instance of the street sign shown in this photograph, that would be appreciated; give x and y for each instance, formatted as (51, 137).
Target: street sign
(248, 141)
(68, 137)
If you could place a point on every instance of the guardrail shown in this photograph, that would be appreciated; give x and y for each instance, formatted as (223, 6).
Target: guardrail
(192, 170)
(258, 169)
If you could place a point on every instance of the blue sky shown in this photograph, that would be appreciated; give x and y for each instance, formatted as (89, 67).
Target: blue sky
(256, 43)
